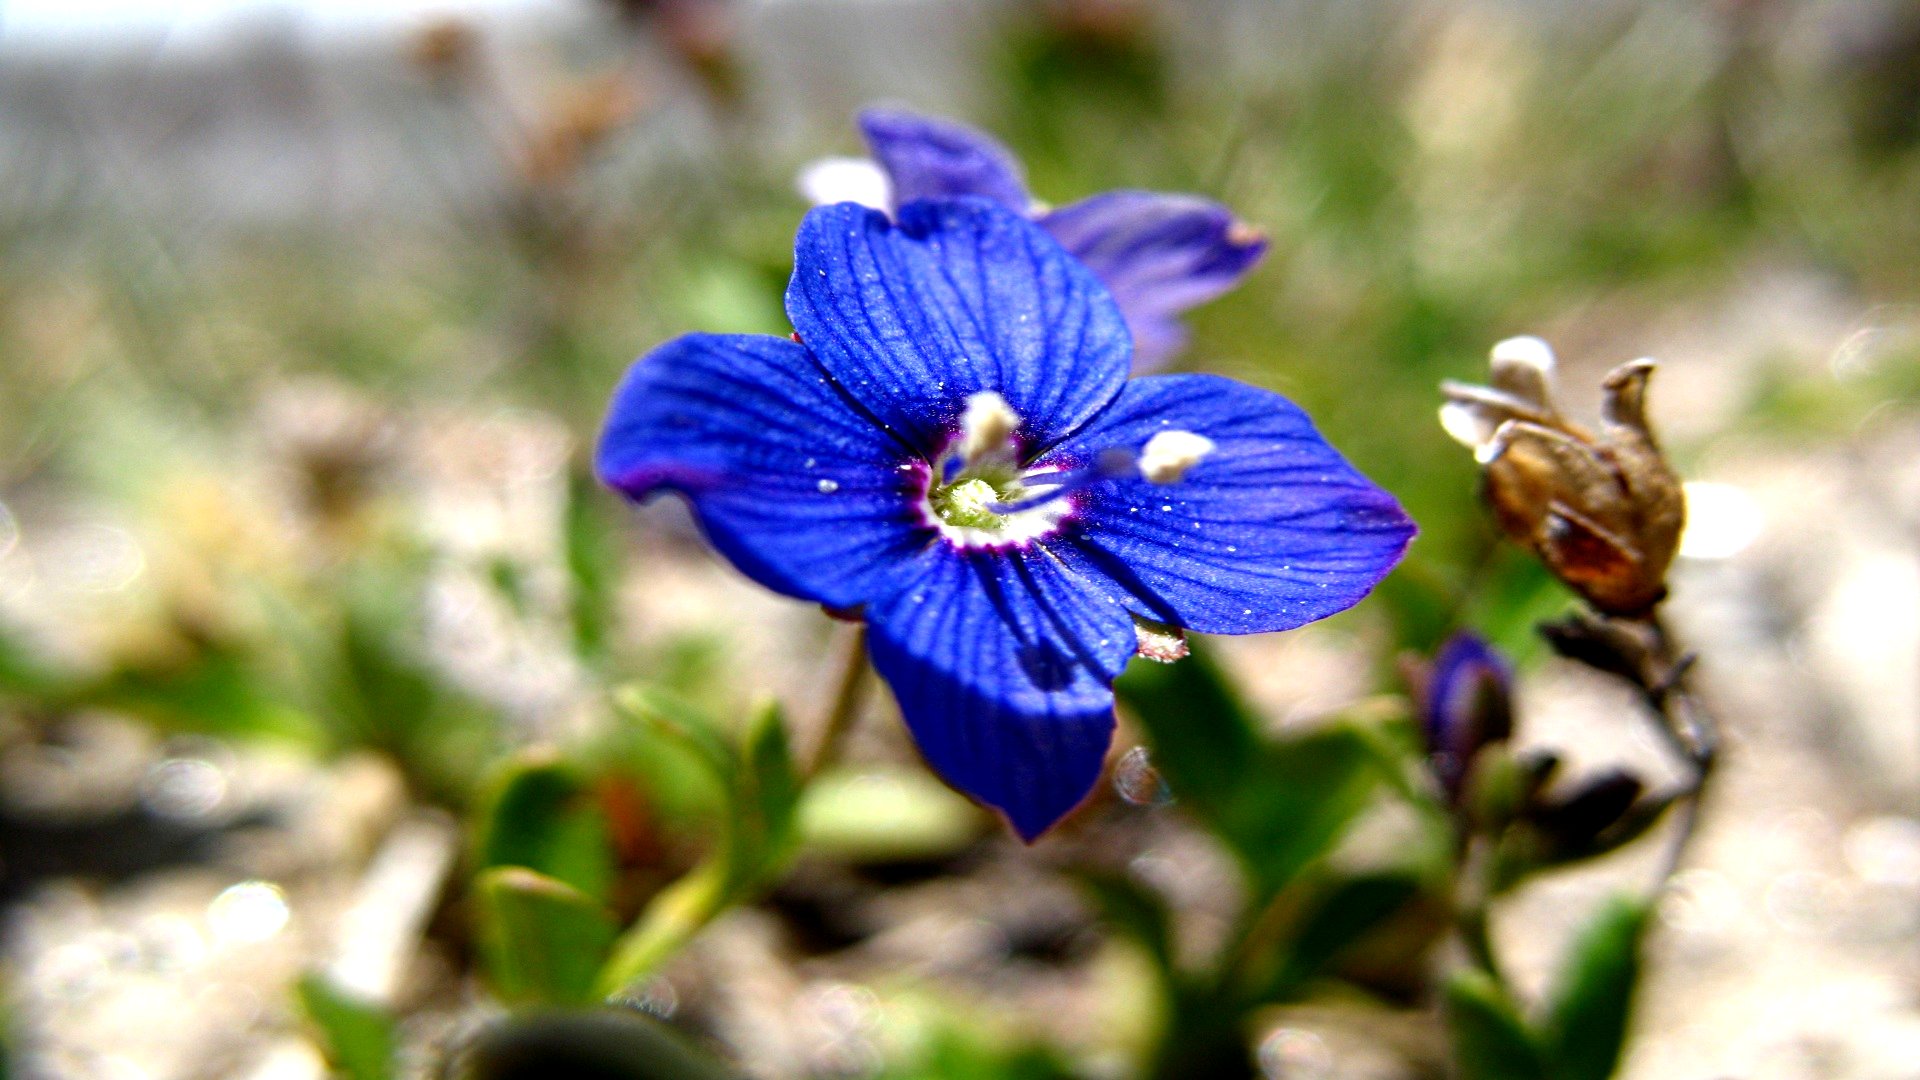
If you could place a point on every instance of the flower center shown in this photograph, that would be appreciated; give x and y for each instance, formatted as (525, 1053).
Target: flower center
(968, 504)
(979, 495)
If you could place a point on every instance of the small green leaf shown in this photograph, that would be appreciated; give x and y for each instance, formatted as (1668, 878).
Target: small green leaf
(1205, 743)
(772, 787)
(593, 561)
(885, 814)
(670, 920)
(1278, 805)
(669, 718)
(358, 1036)
(1339, 918)
(1586, 1022)
(1310, 788)
(1490, 1042)
(539, 812)
(545, 940)
(1138, 913)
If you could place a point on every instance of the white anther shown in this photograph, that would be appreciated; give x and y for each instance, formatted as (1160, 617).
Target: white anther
(986, 426)
(1527, 350)
(1169, 454)
(832, 180)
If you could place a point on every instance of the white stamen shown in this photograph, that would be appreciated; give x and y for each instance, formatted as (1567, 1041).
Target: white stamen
(986, 426)
(1528, 350)
(1169, 454)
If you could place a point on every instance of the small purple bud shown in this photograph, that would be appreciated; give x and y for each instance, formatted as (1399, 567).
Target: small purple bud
(1467, 705)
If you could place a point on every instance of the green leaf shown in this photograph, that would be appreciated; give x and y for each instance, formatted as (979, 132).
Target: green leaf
(667, 717)
(1311, 787)
(358, 1036)
(1204, 741)
(1138, 913)
(1278, 805)
(771, 791)
(670, 920)
(755, 840)
(885, 814)
(24, 673)
(1585, 1027)
(540, 812)
(1339, 918)
(593, 561)
(545, 940)
(1490, 1042)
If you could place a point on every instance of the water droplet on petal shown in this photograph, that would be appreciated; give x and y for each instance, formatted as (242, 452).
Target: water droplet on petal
(1138, 782)
(828, 487)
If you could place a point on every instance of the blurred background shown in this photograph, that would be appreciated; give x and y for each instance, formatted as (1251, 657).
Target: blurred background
(309, 310)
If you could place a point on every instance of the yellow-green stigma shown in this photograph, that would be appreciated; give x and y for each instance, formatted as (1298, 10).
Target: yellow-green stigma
(967, 504)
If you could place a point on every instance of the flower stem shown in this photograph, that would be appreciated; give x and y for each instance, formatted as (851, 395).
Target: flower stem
(1687, 725)
(849, 693)
(1471, 905)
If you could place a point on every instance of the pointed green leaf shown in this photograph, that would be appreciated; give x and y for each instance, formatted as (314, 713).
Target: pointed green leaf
(884, 815)
(669, 718)
(1311, 787)
(1138, 913)
(1277, 805)
(593, 561)
(358, 1036)
(540, 812)
(1339, 918)
(773, 784)
(1586, 1022)
(1490, 1042)
(545, 940)
(1204, 741)
(670, 920)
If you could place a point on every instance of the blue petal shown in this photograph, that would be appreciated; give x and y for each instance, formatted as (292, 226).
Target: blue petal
(960, 296)
(1271, 530)
(794, 485)
(1003, 664)
(1160, 255)
(928, 158)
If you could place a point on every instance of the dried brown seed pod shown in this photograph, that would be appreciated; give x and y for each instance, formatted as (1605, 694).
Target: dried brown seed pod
(1602, 510)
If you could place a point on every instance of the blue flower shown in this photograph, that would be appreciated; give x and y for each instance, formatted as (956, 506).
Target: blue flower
(1158, 254)
(950, 444)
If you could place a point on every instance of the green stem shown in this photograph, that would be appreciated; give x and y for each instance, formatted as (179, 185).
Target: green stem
(1472, 905)
(704, 893)
(1203, 1041)
(849, 694)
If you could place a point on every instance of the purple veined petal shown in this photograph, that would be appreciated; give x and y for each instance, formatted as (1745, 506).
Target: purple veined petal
(1270, 530)
(796, 487)
(1003, 664)
(929, 158)
(960, 296)
(1160, 255)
